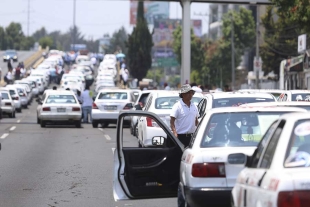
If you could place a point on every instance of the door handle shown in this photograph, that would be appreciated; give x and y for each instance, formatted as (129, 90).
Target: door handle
(150, 166)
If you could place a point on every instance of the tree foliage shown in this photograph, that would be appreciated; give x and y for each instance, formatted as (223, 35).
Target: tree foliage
(139, 46)
(46, 42)
(280, 40)
(118, 41)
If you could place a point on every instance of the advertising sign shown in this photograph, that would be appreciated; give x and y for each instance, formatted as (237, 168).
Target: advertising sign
(152, 10)
(302, 43)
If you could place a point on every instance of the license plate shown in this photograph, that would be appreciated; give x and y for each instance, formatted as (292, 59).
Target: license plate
(61, 110)
(110, 108)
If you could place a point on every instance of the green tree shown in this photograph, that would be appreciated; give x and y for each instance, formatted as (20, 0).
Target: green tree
(39, 34)
(280, 40)
(2, 39)
(14, 36)
(118, 41)
(155, 74)
(46, 41)
(297, 11)
(27, 43)
(139, 47)
(244, 38)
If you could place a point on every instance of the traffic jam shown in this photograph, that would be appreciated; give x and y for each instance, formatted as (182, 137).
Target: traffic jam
(250, 148)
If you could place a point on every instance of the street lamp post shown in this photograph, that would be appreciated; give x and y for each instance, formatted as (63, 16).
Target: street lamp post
(73, 38)
(232, 54)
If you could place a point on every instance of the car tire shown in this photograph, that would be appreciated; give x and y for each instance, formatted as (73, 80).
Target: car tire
(78, 124)
(38, 120)
(42, 123)
(95, 124)
(10, 115)
(19, 110)
(105, 124)
(13, 115)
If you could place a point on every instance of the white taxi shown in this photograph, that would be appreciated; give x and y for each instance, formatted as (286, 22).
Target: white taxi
(204, 175)
(294, 95)
(7, 103)
(59, 106)
(301, 104)
(277, 174)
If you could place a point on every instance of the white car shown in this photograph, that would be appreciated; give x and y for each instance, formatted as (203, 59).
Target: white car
(15, 97)
(205, 175)
(295, 95)
(277, 174)
(39, 83)
(301, 104)
(59, 106)
(275, 92)
(21, 92)
(81, 58)
(24, 93)
(7, 104)
(108, 104)
(160, 103)
(72, 83)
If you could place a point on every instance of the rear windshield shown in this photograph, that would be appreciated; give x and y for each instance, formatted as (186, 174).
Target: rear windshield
(5, 96)
(300, 96)
(227, 102)
(168, 102)
(112, 95)
(63, 99)
(298, 151)
(12, 92)
(240, 129)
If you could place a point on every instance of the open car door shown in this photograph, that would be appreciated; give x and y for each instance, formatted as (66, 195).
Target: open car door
(150, 172)
(202, 107)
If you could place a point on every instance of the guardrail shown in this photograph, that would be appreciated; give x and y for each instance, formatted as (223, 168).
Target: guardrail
(33, 58)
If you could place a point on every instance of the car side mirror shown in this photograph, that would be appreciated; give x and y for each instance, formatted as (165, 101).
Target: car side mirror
(158, 141)
(138, 107)
(237, 159)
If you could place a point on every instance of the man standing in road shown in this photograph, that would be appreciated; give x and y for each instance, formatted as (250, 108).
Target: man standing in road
(183, 123)
(87, 104)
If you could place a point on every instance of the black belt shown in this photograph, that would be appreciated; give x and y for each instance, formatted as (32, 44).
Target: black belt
(185, 135)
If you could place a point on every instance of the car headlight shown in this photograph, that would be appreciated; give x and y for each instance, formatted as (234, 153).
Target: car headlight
(15, 57)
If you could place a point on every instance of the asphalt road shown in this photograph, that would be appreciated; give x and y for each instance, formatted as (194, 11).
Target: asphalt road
(59, 166)
(22, 56)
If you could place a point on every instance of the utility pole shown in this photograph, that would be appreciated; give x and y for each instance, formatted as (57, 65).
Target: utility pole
(232, 54)
(257, 45)
(28, 18)
(73, 39)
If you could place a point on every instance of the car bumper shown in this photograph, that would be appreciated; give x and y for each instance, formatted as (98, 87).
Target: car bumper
(60, 117)
(208, 196)
(6, 109)
(106, 116)
(35, 91)
(17, 104)
(24, 101)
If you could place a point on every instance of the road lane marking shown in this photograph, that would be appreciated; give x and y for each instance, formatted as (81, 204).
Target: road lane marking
(4, 136)
(100, 129)
(113, 149)
(12, 128)
(107, 137)
(18, 121)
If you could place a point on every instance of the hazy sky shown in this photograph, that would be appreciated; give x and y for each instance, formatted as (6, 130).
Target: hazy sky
(93, 17)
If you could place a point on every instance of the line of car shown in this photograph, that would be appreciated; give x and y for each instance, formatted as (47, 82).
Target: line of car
(248, 150)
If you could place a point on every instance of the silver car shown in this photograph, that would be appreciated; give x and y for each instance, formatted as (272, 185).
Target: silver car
(108, 104)
(15, 96)
(7, 104)
(59, 106)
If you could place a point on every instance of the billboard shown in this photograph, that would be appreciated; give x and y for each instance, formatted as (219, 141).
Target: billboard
(163, 39)
(152, 11)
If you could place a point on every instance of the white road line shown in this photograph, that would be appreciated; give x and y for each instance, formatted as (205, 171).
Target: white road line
(113, 149)
(4, 136)
(12, 128)
(18, 121)
(107, 137)
(100, 129)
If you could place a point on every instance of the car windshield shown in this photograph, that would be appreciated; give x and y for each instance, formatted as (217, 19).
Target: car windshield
(63, 99)
(298, 151)
(112, 95)
(239, 129)
(168, 102)
(226, 102)
(300, 96)
(5, 96)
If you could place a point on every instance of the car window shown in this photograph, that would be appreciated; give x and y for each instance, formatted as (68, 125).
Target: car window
(262, 144)
(148, 103)
(112, 95)
(63, 99)
(239, 129)
(271, 147)
(5, 96)
(300, 96)
(225, 102)
(298, 151)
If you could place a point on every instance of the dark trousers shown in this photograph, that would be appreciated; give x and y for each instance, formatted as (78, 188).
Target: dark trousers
(185, 139)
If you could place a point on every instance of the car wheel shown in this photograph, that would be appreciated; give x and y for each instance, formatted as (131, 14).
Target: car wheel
(19, 110)
(38, 120)
(13, 115)
(42, 123)
(78, 124)
(95, 124)
(10, 115)
(105, 124)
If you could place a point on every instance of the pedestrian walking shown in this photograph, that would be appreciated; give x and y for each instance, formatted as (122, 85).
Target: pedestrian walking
(87, 104)
(183, 122)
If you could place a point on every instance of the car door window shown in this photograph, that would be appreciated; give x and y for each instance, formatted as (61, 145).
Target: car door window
(271, 147)
(148, 103)
(262, 144)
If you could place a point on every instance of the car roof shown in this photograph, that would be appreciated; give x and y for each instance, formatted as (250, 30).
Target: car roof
(114, 90)
(239, 94)
(166, 93)
(299, 91)
(59, 92)
(263, 90)
(254, 109)
(281, 103)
